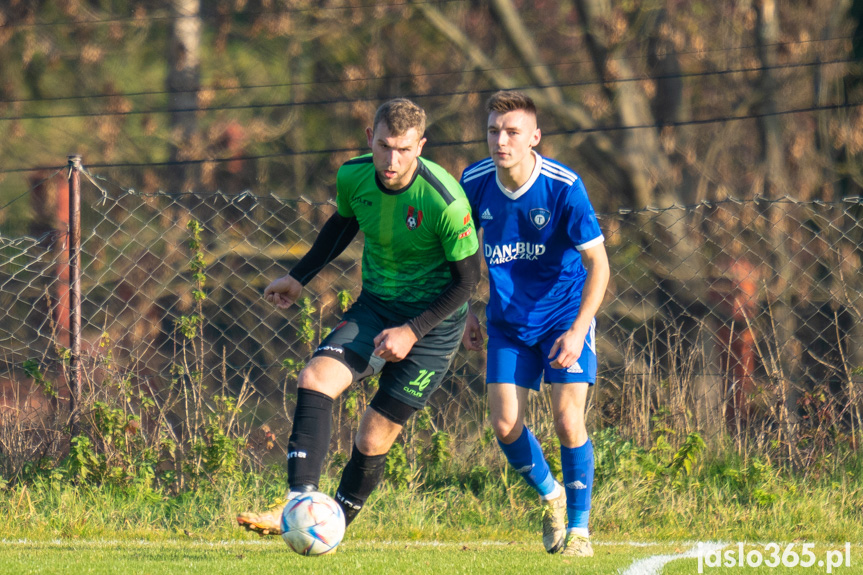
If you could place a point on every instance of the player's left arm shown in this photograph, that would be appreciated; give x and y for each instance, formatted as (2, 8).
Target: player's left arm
(461, 249)
(568, 346)
(395, 343)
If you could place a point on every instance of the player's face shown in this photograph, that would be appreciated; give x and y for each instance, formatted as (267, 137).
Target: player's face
(511, 136)
(395, 157)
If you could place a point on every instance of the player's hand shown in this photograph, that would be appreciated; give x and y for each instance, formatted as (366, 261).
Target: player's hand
(283, 292)
(395, 343)
(472, 338)
(569, 345)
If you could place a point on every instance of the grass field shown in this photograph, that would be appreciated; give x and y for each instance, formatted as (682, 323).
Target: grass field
(370, 557)
(56, 527)
(643, 522)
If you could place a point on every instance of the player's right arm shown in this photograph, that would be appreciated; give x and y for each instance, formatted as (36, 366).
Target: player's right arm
(473, 337)
(283, 292)
(335, 236)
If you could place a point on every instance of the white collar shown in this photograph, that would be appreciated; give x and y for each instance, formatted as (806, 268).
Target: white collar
(526, 186)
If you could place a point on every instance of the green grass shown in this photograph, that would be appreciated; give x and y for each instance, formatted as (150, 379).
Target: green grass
(722, 499)
(458, 515)
(624, 510)
(356, 557)
(353, 556)
(53, 526)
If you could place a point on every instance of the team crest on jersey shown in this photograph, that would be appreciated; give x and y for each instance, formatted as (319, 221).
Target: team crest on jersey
(413, 218)
(540, 217)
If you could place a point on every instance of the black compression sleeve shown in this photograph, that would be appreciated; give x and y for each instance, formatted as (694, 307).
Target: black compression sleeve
(361, 475)
(465, 275)
(335, 236)
(310, 438)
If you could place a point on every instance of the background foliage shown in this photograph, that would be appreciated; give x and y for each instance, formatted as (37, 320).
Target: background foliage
(747, 105)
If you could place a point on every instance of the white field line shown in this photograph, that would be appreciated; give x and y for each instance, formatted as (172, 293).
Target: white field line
(277, 542)
(653, 565)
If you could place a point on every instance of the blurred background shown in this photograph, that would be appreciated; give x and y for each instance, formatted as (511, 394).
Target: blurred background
(719, 142)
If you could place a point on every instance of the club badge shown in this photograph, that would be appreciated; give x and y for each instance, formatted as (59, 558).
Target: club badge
(413, 218)
(540, 217)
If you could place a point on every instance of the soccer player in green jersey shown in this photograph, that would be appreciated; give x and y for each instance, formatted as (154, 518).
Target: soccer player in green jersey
(420, 264)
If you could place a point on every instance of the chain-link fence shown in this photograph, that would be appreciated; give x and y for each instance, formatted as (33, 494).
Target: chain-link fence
(734, 316)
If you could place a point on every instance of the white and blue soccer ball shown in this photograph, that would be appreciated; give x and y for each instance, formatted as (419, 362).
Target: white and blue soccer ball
(313, 523)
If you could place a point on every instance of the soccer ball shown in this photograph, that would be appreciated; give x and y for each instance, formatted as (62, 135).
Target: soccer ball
(313, 523)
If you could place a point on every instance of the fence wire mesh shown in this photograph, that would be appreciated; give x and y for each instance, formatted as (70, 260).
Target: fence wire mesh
(737, 317)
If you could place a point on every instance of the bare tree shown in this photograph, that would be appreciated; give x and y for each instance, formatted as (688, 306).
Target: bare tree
(184, 81)
(784, 370)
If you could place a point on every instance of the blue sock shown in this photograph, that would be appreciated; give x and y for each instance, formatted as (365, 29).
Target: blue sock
(577, 464)
(525, 455)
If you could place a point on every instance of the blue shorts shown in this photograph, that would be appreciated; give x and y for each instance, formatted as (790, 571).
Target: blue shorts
(511, 361)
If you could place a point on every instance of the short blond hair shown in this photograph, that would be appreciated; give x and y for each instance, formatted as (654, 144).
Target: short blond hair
(400, 115)
(509, 101)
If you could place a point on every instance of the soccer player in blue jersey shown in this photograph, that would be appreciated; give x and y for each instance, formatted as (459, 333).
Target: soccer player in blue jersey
(548, 271)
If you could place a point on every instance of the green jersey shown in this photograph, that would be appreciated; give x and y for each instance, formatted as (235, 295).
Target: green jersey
(410, 234)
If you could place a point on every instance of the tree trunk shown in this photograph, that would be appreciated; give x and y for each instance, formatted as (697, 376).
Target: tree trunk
(785, 373)
(663, 64)
(184, 81)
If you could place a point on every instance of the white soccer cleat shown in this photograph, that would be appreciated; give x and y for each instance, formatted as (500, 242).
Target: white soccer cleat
(554, 522)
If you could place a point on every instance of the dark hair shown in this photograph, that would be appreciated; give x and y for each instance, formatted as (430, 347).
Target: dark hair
(400, 116)
(510, 100)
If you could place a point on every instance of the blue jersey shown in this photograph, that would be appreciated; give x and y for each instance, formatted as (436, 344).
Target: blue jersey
(532, 237)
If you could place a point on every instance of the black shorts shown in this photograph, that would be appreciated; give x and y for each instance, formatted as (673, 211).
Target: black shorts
(411, 380)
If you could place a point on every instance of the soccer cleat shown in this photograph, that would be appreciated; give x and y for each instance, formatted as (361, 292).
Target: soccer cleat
(577, 546)
(270, 521)
(554, 522)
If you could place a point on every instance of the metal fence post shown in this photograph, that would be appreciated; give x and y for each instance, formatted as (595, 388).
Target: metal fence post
(74, 163)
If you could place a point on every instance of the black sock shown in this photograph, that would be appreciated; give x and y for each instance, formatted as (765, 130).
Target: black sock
(310, 439)
(360, 477)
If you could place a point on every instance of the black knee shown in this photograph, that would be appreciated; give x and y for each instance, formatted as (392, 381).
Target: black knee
(393, 409)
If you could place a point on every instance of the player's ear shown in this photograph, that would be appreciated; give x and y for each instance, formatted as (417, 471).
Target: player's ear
(370, 136)
(537, 136)
(420, 146)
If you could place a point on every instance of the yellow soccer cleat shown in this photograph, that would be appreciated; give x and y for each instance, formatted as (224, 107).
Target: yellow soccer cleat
(268, 522)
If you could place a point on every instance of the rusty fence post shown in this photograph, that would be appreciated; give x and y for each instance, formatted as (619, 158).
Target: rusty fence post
(74, 163)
